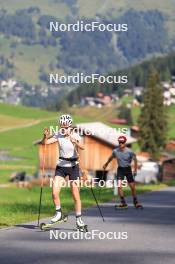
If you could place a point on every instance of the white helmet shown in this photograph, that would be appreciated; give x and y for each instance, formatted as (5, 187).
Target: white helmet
(65, 120)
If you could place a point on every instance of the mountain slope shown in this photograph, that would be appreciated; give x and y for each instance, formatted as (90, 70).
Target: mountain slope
(29, 52)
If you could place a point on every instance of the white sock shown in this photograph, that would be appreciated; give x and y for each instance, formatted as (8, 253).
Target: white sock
(78, 214)
(58, 207)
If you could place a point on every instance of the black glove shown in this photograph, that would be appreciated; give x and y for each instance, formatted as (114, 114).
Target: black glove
(135, 174)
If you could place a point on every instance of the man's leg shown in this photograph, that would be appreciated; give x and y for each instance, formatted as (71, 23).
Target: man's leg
(121, 194)
(134, 194)
(131, 182)
(120, 178)
(133, 188)
(123, 203)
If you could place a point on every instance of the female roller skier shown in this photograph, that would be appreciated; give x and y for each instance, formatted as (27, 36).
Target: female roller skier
(67, 165)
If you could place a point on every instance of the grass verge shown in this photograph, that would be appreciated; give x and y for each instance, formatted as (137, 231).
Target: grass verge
(21, 205)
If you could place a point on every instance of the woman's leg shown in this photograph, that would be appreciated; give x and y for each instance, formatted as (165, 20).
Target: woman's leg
(56, 188)
(76, 196)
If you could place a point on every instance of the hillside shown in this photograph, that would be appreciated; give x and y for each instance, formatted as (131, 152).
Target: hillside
(137, 76)
(29, 52)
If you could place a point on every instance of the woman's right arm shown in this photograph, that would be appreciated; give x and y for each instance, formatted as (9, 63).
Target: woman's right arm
(47, 138)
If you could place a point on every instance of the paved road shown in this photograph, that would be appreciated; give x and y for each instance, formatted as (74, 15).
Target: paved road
(151, 237)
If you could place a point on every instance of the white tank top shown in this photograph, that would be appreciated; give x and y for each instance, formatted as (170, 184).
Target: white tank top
(66, 149)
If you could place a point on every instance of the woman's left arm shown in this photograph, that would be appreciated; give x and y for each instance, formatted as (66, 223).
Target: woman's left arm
(78, 143)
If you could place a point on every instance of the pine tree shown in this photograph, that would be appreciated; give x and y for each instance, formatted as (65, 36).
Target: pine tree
(166, 74)
(62, 106)
(125, 113)
(153, 120)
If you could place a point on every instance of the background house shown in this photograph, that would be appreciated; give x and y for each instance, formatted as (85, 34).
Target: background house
(99, 140)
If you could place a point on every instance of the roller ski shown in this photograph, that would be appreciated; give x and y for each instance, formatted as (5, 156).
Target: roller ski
(121, 206)
(137, 205)
(57, 219)
(81, 225)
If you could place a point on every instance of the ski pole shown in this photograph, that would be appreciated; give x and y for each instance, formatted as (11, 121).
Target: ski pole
(42, 182)
(99, 193)
(91, 189)
(97, 203)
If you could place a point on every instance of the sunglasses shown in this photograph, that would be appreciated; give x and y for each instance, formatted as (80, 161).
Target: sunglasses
(120, 142)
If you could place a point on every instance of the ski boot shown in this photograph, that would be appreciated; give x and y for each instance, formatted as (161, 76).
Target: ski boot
(137, 205)
(122, 205)
(81, 225)
(57, 219)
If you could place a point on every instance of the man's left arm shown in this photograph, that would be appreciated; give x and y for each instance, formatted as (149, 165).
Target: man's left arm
(135, 165)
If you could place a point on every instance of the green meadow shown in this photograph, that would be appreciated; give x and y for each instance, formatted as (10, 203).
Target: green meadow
(21, 205)
(19, 139)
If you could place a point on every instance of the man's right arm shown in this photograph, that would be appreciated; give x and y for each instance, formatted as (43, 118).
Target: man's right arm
(108, 161)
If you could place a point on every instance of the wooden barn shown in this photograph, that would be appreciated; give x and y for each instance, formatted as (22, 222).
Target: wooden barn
(168, 169)
(166, 165)
(99, 140)
(170, 146)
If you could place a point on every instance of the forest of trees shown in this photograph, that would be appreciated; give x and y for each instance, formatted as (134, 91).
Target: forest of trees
(89, 52)
(137, 76)
(6, 68)
(146, 32)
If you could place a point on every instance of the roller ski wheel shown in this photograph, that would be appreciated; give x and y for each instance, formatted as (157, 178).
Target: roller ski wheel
(45, 226)
(121, 206)
(138, 206)
(83, 229)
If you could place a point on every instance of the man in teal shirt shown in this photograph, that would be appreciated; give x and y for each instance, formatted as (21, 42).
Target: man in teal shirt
(124, 157)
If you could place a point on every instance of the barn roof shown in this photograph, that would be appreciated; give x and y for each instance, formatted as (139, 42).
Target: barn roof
(103, 132)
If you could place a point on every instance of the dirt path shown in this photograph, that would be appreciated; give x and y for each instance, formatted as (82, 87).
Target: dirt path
(34, 122)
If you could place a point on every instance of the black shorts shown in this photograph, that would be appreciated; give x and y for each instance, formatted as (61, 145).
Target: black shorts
(72, 172)
(123, 172)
